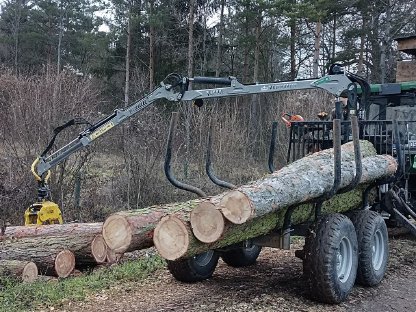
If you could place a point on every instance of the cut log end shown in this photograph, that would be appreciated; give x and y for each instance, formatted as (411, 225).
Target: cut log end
(99, 249)
(25, 271)
(236, 207)
(207, 222)
(64, 263)
(30, 272)
(171, 238)
(117, 233)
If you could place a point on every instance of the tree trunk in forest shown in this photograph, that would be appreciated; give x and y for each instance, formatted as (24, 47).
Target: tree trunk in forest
(42, 243)
(16, 32)
(151, 46)
(334, 37)
(318, 32)
(360, 66)
(292, 25)
(385, 44)
(127, 70)
(246, 49)
(253, 208)
(188, 111)
(219, 47)
(24, 271)
(191, 38)
(255, 105)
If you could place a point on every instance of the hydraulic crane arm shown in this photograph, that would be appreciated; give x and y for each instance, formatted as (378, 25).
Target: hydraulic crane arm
(178, 91)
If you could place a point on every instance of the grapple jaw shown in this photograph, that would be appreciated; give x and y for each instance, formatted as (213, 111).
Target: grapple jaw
(44, 212)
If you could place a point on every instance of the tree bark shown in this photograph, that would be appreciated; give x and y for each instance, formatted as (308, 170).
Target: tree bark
(41, 244)
(24, 271)
(302, 181)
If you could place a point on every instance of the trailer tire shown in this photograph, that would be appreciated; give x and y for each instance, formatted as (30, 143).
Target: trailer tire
(241, 257)
(194, 269)
(331, 258)
(373, 246)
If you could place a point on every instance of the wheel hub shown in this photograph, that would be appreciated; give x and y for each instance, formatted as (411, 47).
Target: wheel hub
(377, 250)
(344, 259)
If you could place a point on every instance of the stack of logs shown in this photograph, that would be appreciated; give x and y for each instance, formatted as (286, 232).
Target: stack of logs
(181, 230)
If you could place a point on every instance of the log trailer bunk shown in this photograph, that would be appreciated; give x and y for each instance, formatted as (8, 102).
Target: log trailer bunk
(338, 248)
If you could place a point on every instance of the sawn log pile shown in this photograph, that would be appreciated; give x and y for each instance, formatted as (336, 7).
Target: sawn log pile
(181, 230)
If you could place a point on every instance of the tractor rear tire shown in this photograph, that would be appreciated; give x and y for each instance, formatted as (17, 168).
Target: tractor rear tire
(331, 258)
(194, 269)
(241, 257)
(373, 246)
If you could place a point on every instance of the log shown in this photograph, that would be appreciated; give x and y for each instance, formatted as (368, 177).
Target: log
(99, 249)
(208, 225)
(42, 244)
(303, 180)
(62, 266)
(173, 237)
(133, 230)
(25, 271)
(17, 232)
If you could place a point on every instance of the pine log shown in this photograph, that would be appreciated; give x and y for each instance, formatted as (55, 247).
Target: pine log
(208, 225)
(133, 230)
(302, 181)
(42, 244)
(173, 237)
(25, 271)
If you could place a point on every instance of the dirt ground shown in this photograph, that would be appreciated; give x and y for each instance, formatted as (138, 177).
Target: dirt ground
(275, 283)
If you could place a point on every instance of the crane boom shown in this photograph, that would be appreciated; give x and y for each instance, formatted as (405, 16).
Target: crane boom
(334, 84)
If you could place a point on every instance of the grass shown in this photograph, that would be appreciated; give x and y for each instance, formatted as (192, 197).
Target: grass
(18, 297)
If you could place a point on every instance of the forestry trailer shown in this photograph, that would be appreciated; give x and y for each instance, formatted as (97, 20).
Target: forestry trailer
(339, 247)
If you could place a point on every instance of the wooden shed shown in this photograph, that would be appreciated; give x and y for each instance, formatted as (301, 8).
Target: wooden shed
(406, 70)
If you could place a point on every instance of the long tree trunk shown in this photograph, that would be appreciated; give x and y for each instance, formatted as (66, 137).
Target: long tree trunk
(127, 70)
(151, 45)
(318, 32)
(188, 111)
(24, 271)
(292, 25)
(360, 66)
(16, 31)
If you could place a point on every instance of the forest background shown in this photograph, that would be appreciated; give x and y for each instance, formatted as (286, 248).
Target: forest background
(61, 59)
